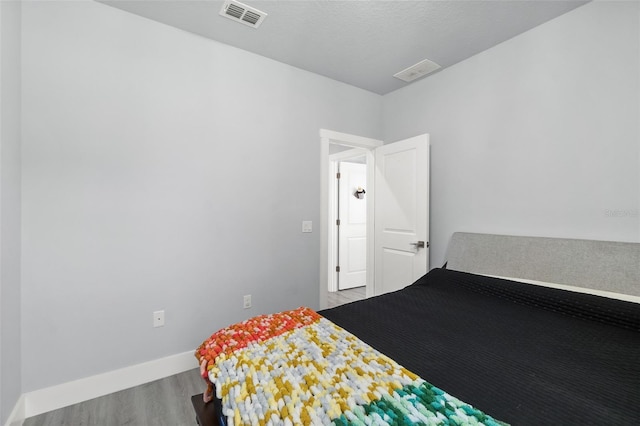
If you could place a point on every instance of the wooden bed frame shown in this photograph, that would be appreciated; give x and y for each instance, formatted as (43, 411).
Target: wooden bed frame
(600, 265)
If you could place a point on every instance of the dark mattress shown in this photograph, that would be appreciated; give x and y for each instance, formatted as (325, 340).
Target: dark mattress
(523, 354)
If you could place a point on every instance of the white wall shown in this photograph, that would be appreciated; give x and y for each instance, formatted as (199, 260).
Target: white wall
(10, 380)
(536, 136)
(162, 170)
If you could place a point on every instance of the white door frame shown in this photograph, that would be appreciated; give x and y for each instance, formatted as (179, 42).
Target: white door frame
(328, 137)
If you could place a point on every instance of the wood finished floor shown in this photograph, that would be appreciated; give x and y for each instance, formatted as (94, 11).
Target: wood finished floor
(341, 297)
(163, 402)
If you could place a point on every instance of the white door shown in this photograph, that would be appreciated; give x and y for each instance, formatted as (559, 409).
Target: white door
(401, 213)
(352, 240)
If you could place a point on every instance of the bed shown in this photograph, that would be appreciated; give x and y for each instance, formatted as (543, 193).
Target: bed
(518, 352)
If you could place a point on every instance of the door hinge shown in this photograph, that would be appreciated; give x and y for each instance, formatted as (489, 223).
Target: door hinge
(337, 269)
(338, 222)
(427, 244)
(338, 175)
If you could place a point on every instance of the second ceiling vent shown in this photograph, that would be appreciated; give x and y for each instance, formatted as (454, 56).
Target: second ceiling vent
(242, 13)
(416, 71)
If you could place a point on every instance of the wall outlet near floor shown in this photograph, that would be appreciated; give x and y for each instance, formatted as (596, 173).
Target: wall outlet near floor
(247, 301)
(158, 319)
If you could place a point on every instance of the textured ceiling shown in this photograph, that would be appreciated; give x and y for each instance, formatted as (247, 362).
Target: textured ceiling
(362, 43)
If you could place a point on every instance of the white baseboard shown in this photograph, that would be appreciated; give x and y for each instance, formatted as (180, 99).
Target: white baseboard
(55, 397)
(16, 418)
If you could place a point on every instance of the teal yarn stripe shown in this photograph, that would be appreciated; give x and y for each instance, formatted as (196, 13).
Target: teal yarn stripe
(435, 407)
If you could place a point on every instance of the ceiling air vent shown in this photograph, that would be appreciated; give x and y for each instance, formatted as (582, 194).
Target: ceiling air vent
(416, 71)
(242, 13)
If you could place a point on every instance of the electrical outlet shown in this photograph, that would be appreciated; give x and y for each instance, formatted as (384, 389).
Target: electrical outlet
(247, 301)
(158, 319)
(307, 226)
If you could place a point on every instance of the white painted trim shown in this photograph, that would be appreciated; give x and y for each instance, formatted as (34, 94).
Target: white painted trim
(347, 155)
(332, 210)
(371, 199)
(17, 416)
(350, 140)
(55, 397)
(327, 137)
(324, 220)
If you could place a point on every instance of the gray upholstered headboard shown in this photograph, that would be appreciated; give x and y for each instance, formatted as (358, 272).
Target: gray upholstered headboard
(600, 265)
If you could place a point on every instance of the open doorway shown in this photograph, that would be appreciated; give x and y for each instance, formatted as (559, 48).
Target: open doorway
(397, 210)
(339, 150)
(348, 218)
(351, 224)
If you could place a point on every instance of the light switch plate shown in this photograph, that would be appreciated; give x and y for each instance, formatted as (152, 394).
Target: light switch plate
(307, 226)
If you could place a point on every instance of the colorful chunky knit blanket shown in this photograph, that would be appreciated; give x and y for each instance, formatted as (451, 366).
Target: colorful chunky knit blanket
(297, 367)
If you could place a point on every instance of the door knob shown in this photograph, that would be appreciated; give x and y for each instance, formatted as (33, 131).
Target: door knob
(418, 244)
